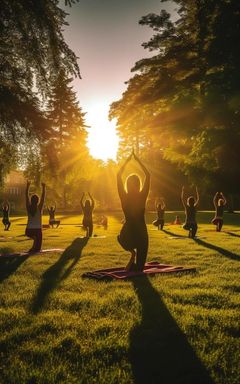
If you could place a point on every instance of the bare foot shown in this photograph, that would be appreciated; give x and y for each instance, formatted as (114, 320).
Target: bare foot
(131, 261)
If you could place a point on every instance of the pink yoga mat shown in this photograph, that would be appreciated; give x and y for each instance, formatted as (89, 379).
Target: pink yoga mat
(150, 268)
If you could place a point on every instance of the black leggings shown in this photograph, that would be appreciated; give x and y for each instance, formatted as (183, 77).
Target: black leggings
(36, 236)
(159, 223)
(135, 238)
(88, 226)
(192, 228)
(53, 222)
(6, 224)
(218, 222)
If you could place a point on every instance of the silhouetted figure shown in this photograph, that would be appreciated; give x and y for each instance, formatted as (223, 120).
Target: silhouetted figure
(34, 224)
(190, 212)
(219, 201)
(52, 221)
(104, 222)
(160, 209)
(133, 236)
(177, 221)
(87, 209)
(6, 210)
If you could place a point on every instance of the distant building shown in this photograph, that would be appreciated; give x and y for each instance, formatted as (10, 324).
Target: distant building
(14, 189)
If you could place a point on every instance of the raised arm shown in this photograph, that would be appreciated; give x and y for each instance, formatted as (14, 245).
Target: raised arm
(121, 190)
(163, 204)
(92, 200)
(224, 198)
(42, 196)
(215, 200)
(81, 201)
(146, 184)
(7, 206)
(183, 198)
(197, 198)
(27, 195)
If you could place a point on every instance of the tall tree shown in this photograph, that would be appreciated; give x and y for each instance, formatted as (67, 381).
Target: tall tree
(32, 51)
(66, 146)
(186, 97)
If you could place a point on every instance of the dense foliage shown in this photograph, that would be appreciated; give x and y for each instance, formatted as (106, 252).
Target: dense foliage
(32, 52)
(183, 104)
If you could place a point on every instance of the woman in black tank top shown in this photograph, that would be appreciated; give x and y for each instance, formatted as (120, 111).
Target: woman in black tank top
(5, 210)
(52, 220)
(190, 211)
(87, 209)
(219, 201)
(160, 210)
(134, 236)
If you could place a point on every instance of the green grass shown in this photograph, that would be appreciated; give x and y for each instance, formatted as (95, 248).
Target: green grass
(56, 327)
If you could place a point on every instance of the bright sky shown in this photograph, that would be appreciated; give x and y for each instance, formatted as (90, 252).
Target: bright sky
(105, 34)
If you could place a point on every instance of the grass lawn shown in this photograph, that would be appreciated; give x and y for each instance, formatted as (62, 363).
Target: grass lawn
(56, 327)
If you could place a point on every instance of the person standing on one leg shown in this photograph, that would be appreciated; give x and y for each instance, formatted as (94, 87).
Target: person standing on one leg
(87, 209)
(160, 208)
(6, 210)
(134, 236)
(34, 212)
(190, 211)
(52, 221)
(219, 201)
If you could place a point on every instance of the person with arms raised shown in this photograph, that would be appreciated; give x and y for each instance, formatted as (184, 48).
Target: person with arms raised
(219, 202)
(190, 211)
(34, 212)
(87, 209)
(134, 236)
(6, 210)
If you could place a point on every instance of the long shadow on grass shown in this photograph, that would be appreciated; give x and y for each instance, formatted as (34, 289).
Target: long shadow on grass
(9, 265)
(222, 251)
(172, 233)
(232, 234)
(57, 272)
(159, 351)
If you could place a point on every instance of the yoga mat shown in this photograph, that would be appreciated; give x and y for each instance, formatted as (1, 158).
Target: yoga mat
(6, 238)
(20, 254)
(93, 237)
(185, 237)
(150, 268)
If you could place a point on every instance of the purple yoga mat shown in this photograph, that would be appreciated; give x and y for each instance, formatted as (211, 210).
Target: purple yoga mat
(150, 268)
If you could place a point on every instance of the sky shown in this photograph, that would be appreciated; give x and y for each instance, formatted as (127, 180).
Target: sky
(107, 38)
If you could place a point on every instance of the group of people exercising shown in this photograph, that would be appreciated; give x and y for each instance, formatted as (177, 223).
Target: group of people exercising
(133, 194)
(190, 208)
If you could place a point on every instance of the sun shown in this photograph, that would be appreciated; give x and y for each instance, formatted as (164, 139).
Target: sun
(102, 136)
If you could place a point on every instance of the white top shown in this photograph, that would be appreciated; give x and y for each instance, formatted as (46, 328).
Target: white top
(35, 221)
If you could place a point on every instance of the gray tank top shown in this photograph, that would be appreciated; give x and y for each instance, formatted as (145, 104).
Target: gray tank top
(35, 221)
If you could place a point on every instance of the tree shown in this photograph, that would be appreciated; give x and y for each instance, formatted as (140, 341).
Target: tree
(32, 51)
(66, 146)
(186, 97)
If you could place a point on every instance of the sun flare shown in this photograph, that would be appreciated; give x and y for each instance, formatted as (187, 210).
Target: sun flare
(102, 135)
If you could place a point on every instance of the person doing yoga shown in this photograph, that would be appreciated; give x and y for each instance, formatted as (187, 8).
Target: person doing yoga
(134, 236)
(87, 209)
(190, 211)
(160, 209)
(34, 212)
(6, 210)
(219, 201)
(52, 221)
